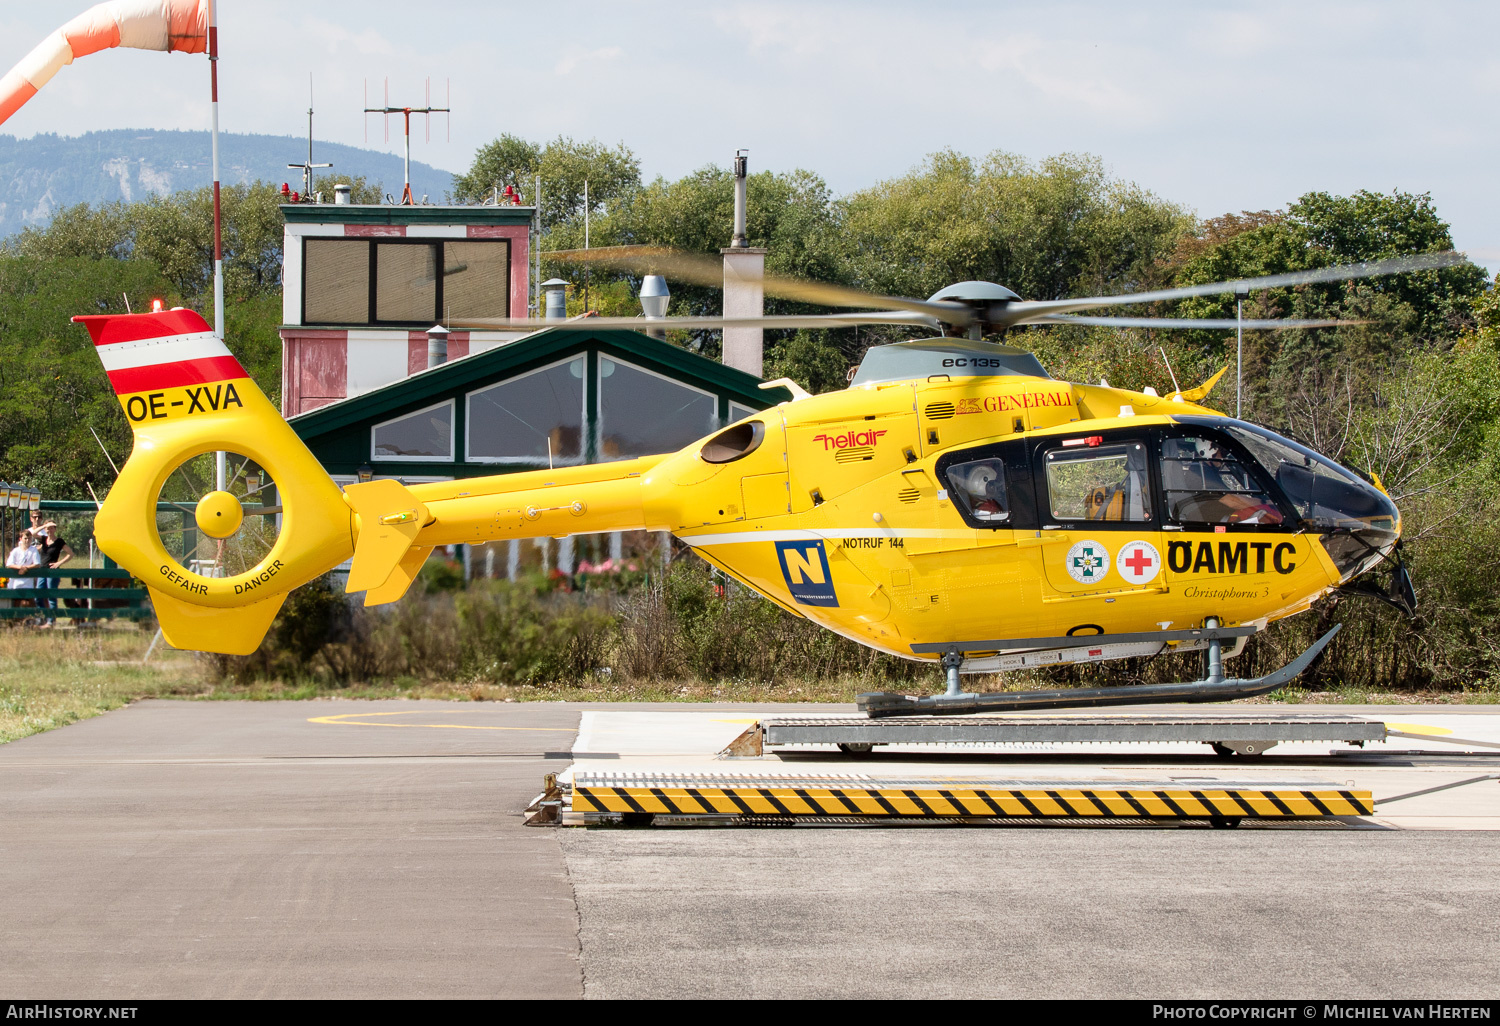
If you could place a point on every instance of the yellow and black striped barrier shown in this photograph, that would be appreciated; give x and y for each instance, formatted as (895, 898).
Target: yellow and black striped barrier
(821, 797)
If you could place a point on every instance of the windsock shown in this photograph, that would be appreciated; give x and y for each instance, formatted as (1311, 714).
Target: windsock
(142, 24)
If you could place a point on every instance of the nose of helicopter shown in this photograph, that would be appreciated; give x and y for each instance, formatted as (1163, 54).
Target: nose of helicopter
(1356, 520)
(1352, 515)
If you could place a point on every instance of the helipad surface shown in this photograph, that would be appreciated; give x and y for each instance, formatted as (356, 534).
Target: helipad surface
(375, 849)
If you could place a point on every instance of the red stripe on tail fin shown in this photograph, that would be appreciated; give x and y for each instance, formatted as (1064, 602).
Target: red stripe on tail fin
(174, 375)
(107, 329)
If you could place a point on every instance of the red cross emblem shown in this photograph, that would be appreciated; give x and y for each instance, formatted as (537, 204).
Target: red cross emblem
(1139, 562)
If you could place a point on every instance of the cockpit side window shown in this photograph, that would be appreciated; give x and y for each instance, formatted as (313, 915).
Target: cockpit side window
(979, 488)
(1100, 484)
(1204, 481)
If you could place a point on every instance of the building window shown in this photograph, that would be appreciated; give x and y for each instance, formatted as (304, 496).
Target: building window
(400, 281)
(337, 284)
(738, 413)
(423, 436)
(535, 418)
(406, 282)
(642, 413)
(476, 279)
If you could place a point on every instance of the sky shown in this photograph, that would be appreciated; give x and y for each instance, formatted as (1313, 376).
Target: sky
(1218, 106)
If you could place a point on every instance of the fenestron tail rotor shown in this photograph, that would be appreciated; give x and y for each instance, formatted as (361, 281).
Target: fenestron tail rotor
(218, 533)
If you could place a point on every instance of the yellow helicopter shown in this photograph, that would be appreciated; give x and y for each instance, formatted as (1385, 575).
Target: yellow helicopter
(954, 504)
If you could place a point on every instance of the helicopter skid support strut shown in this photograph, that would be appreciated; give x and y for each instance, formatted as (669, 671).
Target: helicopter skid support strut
(954, 701)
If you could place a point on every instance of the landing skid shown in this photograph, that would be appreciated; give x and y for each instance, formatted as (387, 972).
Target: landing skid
(1215, 689)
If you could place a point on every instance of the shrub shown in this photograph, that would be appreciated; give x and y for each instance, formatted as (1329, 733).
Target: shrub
(690, 623)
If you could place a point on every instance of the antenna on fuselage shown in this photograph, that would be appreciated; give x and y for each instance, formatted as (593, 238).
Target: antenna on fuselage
(1164, 360)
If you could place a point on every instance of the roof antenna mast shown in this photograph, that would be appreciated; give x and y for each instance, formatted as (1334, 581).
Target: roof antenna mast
(406, 113)
(307, 166)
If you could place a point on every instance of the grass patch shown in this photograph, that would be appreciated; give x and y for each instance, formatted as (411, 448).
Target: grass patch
(52, 678)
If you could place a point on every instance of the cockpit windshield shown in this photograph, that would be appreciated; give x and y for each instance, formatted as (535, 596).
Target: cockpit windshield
(1359, 523)
(1322, 491)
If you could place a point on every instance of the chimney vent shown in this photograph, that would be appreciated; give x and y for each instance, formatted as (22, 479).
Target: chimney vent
(557, 299)
(744, 291)
(437, 345)
(741, 167)
(654, 299)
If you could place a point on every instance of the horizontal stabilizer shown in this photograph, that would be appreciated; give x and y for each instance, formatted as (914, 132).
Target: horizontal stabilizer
(390, 518)
(206, 629)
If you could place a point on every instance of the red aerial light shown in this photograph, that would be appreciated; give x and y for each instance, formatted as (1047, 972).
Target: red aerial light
(157, 306)
(286, 189)
(296, 197)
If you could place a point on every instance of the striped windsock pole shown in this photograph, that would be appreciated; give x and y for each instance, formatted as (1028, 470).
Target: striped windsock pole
(220, 463)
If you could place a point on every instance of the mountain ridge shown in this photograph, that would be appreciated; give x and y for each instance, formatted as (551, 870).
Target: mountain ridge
(47, 172)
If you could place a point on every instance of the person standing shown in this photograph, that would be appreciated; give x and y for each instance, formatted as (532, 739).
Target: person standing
(40, 535)
(23, 559)
(55, 555)
(38, 529)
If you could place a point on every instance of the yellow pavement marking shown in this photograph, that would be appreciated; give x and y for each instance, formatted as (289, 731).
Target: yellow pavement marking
(1417, 728)
(344, 720)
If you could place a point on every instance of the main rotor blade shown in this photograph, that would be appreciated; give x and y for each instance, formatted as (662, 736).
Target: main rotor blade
(709, 271)
(775, 322)
(1189, 322)
(1025, 311)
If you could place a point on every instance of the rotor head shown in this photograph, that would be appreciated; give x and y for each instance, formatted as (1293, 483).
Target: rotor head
(987, 302)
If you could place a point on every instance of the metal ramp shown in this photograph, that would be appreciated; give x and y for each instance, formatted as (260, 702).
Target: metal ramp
(1243, 735)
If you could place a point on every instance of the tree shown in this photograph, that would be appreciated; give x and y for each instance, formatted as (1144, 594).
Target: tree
(812, 359)
(1046, 231)
(176, 233)
(52, 386)
(361, 190)
(1320, 230)
(508, 161)
(173, 236)
(563, 164)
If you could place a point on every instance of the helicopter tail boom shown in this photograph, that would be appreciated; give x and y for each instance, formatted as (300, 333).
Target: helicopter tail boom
(398, 525)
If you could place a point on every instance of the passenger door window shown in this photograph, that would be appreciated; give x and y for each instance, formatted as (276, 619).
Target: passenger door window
(1099, 485)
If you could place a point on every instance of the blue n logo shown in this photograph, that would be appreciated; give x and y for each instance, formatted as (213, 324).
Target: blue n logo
(804, 566)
